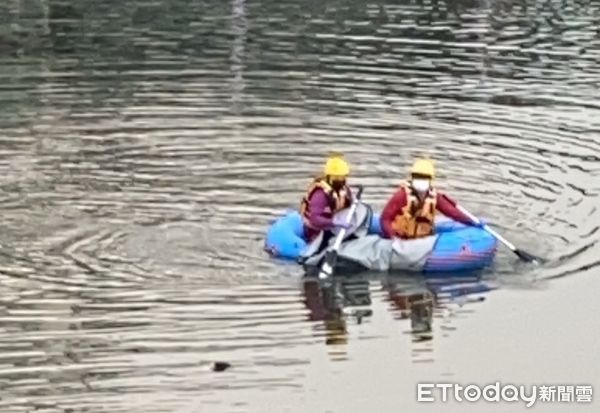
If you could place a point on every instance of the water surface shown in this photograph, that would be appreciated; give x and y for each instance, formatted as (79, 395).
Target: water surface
(145, 147)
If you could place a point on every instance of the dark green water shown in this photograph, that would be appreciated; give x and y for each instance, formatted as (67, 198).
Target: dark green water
(146, 145)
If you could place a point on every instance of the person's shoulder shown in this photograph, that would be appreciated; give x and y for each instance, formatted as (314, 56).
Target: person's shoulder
(402, 189)
(316, 192)
(318, 183)
(399, 195)
(443, 198)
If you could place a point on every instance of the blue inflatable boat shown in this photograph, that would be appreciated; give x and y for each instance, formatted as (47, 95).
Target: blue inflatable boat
(454, 247)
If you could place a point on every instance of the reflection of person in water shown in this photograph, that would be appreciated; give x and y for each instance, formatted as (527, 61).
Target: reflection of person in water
(418, 302)
(324, 306)
(331, 302)
(416, 305)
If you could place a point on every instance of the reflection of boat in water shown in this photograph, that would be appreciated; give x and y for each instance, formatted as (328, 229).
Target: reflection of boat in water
(341, 299)
(333, 304)
(421, 302)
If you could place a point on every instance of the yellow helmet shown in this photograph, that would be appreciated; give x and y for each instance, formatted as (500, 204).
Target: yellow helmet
(336, 166)
(423, 167)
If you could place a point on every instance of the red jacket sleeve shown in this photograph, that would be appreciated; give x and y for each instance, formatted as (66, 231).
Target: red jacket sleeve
(447, 207)
(392, 208)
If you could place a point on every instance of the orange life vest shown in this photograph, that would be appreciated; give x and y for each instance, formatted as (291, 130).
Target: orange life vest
(338, 200)
(417, 218)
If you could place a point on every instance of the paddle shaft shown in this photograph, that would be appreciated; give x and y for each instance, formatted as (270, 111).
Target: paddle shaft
(487, 228)
(327, 267)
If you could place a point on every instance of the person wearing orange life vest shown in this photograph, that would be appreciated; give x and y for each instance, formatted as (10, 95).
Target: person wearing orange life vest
(410, 213)
(325, 196)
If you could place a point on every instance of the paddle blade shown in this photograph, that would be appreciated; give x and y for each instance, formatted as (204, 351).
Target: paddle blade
(525, 256)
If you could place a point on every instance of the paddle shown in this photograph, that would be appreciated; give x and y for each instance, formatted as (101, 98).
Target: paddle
(332, 255)
(525, 256)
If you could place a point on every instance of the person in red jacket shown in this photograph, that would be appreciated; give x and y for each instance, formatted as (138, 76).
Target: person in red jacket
(410, 213)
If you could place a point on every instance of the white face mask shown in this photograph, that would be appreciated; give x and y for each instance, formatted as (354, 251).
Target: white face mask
(421, 185)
